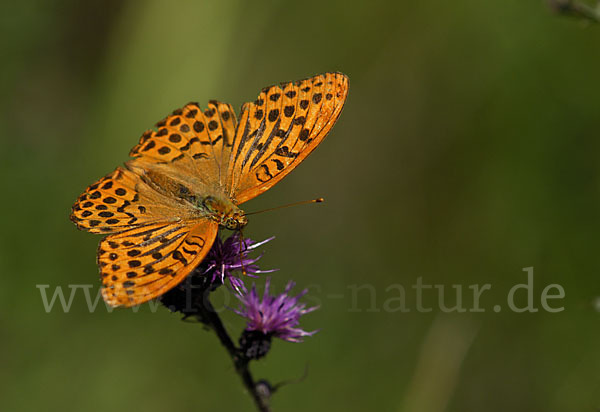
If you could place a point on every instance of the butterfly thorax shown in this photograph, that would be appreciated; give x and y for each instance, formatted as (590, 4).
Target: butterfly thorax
(200, 199)
(224, 212)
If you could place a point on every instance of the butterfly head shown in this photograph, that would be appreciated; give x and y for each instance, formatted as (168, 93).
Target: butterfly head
(235, 222)
(225, 213)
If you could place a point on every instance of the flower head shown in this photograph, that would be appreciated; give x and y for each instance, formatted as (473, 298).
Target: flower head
(276, 316)
(222, 261)
(230, 255)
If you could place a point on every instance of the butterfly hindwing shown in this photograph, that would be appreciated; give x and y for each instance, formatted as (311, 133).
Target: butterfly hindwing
(144, 263)
(279, 129)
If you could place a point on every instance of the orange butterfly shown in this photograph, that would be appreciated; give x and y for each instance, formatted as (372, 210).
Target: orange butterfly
(162, 211)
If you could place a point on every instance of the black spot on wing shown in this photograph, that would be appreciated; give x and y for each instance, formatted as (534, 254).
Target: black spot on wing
(268, 176)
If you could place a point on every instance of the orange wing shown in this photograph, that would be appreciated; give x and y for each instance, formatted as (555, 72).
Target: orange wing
(278, 130)
(156, 238)
(172, 166)
(123, 200)
(149, 206)
(144, 263)
(192, 142)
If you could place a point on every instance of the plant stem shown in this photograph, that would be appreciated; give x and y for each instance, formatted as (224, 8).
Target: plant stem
(211, 318)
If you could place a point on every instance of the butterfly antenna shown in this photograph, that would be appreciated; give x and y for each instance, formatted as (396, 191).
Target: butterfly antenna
(304, 202)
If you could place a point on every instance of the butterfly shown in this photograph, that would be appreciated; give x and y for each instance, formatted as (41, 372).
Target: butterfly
(162, 210)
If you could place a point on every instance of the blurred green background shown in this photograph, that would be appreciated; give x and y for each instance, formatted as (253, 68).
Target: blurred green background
(467, 151)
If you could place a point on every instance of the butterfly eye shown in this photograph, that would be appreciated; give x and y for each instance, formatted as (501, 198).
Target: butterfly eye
(231, 223)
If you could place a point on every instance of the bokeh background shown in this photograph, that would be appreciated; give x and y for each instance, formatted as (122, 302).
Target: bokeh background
(468, 150)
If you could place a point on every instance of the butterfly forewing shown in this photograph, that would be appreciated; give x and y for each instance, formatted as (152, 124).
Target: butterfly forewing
(192, 140)
(145, 262)
(279, 129)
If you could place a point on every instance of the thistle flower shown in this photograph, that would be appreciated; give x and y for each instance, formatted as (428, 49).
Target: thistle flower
(273, 316)
(225, 258)
(230, 255)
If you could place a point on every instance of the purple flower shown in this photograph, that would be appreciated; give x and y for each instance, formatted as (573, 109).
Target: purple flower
(222, 261)
(227, 256)
(275, 315)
